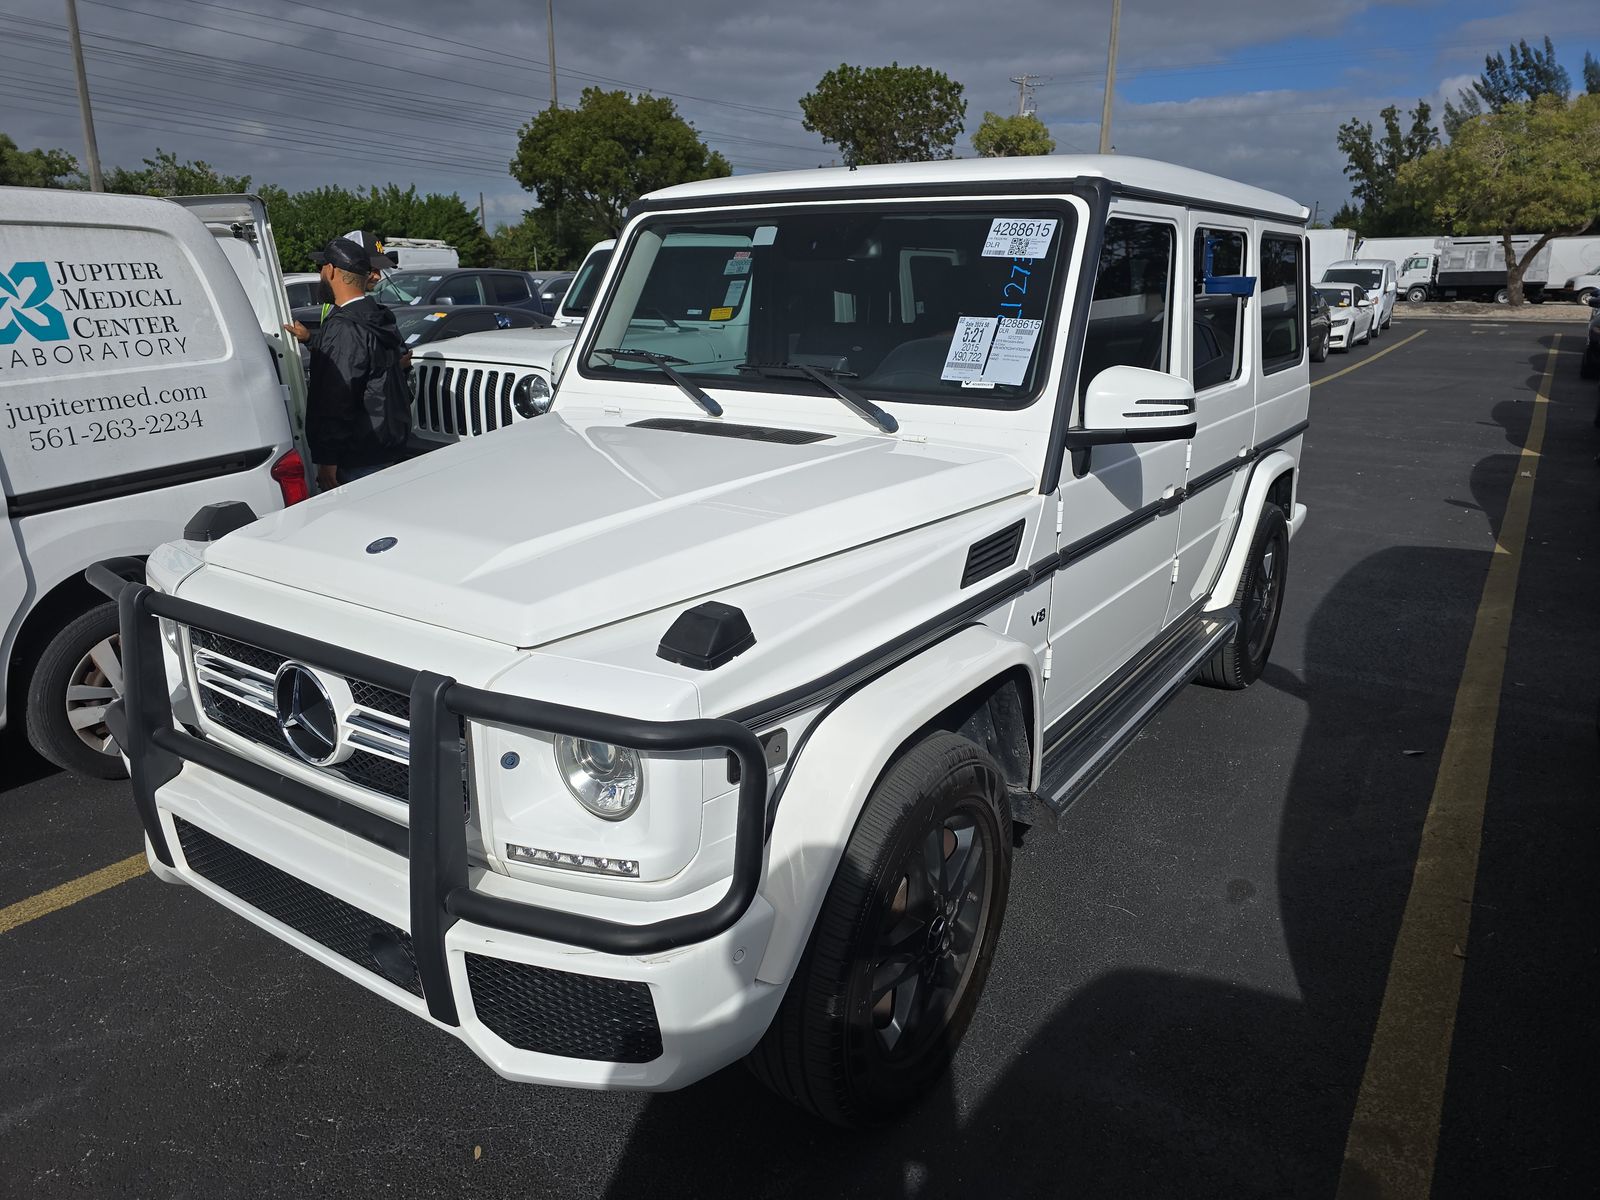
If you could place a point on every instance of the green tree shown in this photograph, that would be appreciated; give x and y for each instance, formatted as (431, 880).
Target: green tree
(533, 244)
(392, 212)
(1521, 74)
(1591, 74)
(165, 175)
(37, 167)
(1532, 166)
(305, 221)
(589, 163)
(1008, 137)
(886, 114)
(1373, 165)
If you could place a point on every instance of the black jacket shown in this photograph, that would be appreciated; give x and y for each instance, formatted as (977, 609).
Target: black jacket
(358, 413)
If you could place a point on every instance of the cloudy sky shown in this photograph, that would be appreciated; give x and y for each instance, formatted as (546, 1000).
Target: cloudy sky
(431, 93)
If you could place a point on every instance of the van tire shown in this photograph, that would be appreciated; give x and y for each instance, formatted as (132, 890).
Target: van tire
(830, 1049)
(75, 658)
(1259, 603)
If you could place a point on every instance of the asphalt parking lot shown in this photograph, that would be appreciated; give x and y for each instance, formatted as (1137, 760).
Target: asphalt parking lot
(1192, 971)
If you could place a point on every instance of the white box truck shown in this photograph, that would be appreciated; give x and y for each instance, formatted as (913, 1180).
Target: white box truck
(1326, 246)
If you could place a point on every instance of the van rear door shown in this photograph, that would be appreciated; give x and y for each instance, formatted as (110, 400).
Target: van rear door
(244, 234)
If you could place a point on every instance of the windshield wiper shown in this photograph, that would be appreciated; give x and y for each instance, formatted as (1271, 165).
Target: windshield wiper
(661, 362)
(828, 380)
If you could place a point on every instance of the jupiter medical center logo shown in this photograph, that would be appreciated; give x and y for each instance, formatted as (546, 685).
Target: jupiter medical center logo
(23, 292)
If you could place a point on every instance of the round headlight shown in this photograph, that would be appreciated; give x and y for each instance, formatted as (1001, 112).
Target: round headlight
(531, 396)
(605, 779)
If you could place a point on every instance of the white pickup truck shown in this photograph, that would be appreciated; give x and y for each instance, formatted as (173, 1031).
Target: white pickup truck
(694, 720)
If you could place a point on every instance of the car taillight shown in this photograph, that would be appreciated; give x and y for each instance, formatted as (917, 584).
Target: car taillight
(289, 472)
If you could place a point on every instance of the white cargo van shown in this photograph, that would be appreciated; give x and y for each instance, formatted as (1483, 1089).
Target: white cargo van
(140, 380)
(411, 254)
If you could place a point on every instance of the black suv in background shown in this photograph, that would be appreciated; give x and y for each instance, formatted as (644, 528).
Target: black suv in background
(462, 285)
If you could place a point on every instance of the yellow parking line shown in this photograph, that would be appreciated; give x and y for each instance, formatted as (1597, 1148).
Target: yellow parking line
(1394, 1132)
(1371, 358)
(71, 892)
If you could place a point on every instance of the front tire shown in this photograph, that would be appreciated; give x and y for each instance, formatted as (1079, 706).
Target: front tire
(1589, 364)
(1259, 603)
(1587, 295)
(903, 944)
(1319, 349)
(75, 680)
(1417, 295)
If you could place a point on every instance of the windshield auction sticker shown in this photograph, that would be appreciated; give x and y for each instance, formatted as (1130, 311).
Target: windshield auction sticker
(1011, 351)
(969, 348)
(1013, 237)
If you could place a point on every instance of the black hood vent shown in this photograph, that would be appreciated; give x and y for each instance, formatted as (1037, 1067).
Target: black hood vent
(748, 433)
(993, 553)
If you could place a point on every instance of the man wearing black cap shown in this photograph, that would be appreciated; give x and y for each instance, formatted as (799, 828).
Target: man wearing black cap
(358, 412)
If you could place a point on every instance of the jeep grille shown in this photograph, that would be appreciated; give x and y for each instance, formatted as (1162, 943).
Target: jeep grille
(456, 401)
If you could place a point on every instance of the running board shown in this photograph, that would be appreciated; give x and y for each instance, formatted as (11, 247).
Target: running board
(1091, 743)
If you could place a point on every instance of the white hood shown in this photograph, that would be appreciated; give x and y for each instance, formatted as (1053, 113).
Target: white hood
(554, 527)
(502, 347)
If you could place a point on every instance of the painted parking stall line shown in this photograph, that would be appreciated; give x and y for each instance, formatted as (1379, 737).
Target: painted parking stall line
(1394, 1133)
(1371, 358)
(14, 916)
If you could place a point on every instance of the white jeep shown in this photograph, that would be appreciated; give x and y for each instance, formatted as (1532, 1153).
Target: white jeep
(694, 720)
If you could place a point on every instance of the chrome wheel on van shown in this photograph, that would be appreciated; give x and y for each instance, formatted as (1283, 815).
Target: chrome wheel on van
(74, 681)
(94, 683)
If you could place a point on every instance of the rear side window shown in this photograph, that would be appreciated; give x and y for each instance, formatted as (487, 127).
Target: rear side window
(1131, 311)
(1282, 302)
(459, 289)
(508, 289)
(1217, 319)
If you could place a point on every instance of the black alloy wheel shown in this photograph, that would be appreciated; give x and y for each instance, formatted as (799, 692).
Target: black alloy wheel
(1259, 603)
(903, 944)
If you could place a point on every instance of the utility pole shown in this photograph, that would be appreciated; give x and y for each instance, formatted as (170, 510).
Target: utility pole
(1111, 79)
(483, 221)
(550, 34)
(1025, 85)
(97, 182)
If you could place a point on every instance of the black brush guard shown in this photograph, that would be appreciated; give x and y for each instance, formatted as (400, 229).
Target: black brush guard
(436, 840)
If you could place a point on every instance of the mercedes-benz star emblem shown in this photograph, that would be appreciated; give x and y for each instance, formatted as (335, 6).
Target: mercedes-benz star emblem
(306, 714)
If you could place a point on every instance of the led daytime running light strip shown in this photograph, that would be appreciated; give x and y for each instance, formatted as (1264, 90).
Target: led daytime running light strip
(625, 868)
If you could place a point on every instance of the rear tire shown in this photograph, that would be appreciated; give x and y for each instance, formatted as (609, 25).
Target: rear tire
(1502, 296)
(900, 951)
(1259, 602)
(1319, 348)
(75, 679)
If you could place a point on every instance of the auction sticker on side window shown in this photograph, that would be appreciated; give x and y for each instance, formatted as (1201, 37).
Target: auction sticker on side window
(969, 348)
(1012, 351)
(1019, 237)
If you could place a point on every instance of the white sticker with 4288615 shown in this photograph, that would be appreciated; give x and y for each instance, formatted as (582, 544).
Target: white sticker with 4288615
(1019, 237)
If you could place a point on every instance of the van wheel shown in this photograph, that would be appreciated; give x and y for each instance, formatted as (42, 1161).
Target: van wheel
(1259, 602)
(902, 946)
(75, 680)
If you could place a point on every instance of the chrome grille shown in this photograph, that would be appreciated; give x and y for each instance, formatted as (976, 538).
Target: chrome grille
(454, 401)
(235, 684)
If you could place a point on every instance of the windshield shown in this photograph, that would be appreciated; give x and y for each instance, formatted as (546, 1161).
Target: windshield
(1336, 297)
(1367, 277)
(587, 282)
(937, 303)
(403, 287)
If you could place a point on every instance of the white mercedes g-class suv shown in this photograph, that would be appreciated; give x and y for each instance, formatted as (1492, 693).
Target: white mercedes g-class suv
(693, 720)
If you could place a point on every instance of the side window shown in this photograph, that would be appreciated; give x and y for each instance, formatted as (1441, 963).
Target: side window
(1218, 320)
(1282, 310)
(459, 289)
(508, 289)
(1131, 311)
